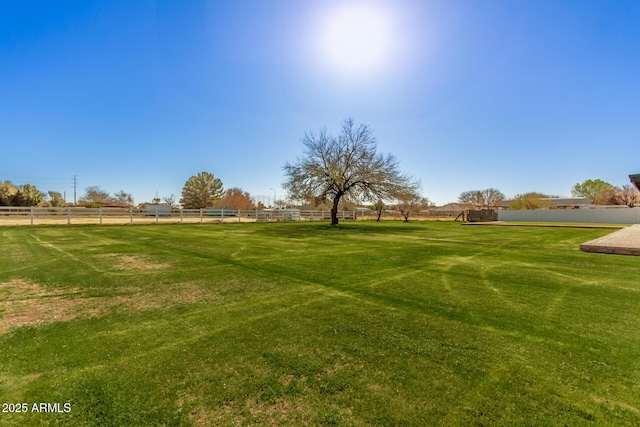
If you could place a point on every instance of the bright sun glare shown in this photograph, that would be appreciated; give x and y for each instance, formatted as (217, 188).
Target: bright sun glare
(356, 38)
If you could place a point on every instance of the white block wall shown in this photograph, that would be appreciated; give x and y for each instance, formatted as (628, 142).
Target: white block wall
(597, 215)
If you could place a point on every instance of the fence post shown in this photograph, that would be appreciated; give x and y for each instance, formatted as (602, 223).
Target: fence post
(31, 210)
(221, 215)
(100, 215)
(130, 215)
(201, 215)
(156, 215)
(238, 215)
(180, 215)
(68, 215)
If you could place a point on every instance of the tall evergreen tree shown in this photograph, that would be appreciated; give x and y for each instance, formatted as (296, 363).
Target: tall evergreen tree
(201, 191)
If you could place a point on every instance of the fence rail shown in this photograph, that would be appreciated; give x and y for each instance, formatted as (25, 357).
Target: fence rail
(11, 215)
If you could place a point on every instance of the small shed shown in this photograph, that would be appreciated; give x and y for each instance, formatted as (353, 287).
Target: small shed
(157, 209)
(482, 215)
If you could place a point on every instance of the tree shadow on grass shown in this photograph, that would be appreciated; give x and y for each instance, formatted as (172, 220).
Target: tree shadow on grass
(347, 228)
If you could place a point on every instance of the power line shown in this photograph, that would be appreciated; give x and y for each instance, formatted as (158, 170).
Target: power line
(42, 183)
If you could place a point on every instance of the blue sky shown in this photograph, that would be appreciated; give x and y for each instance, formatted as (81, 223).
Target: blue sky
(140, 95)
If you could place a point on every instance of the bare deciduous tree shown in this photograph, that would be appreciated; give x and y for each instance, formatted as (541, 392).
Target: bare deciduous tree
(124, 198)
(492, 197)
(280, 204)
(489, 197)
(94, 197)
(473, 197)
(610, 196)
(379, 207)
(171, 200)
(411, 203)
(346, 165)
(628, 195)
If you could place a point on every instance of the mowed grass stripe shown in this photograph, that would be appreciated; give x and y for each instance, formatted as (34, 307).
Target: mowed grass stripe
(372, 324)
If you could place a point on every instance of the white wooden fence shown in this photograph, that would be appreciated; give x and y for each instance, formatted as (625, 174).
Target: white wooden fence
(74, 215)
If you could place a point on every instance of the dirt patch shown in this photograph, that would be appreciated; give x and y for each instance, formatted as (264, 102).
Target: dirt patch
(24, 304)
(132, 262)
(613, 404)
(283, 412)
(166, 296)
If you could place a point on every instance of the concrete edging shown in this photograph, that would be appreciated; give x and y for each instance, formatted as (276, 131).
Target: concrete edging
(622, 242)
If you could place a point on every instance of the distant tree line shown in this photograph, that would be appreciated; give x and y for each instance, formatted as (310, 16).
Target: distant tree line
(204, 190)
(200, 191)
(336, 172)
(598, 192)
(407, 205)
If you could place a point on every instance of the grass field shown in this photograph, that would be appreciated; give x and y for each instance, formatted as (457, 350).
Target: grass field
(306, 324)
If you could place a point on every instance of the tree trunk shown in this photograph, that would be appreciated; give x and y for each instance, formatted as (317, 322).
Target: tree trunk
(334, 209)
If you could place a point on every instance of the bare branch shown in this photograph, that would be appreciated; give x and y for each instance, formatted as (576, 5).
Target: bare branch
(346, 165)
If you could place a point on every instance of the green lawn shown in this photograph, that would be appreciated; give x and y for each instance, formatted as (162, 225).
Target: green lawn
(306, 324)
